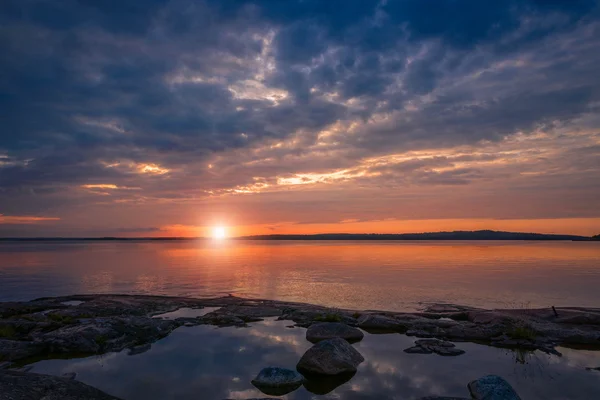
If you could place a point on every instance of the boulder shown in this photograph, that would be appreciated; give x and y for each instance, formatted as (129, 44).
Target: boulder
(492, 387)
(276, 381)
(329, 330)
(330, 357)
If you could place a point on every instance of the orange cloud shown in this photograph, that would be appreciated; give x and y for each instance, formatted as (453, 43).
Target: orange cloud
(24, 219)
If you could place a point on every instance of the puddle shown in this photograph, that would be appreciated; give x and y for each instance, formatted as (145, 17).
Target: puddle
(72, 303)
(187, 312)
(219, 363)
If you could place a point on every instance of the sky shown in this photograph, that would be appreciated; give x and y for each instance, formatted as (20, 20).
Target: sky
(171, 117)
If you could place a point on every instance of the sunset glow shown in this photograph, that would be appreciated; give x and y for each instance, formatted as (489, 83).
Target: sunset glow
(219, 232)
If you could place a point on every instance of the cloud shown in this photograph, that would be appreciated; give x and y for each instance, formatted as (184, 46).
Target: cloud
(293, 96)
(24, 219)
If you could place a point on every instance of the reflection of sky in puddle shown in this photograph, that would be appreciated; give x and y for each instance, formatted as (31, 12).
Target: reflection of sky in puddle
(186, 312)
(218, 363)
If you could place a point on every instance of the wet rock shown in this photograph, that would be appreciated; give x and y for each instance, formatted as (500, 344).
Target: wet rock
(593, 369)
(5, 364)
(328, 330)
(492, 387)
(276, 381)
(330, 357)
(139, 349)
(221, 319)
(418, 350)
(20, 385)
(381, 323)
(428, 346)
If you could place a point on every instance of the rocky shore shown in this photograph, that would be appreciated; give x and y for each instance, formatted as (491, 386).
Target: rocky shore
(81, 325)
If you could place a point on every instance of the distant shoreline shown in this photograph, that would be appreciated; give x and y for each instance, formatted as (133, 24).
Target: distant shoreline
(427, 236)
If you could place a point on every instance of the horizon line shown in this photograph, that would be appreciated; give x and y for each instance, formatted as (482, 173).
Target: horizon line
(356, 236)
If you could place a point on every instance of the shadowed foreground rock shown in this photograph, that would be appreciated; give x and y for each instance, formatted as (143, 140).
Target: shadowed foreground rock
(330, 357)
(27, 386)
(492, 387)
(329, 330)
(276, 381)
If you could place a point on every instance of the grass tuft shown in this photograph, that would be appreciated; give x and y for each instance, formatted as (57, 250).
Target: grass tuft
(522, 332)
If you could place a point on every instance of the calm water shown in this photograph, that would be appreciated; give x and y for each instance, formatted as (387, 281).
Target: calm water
(362, 275)
(205, 362)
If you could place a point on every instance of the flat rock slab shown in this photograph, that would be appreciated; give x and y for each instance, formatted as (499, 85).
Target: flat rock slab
(492, 387)
(428, 346)
(375, 322)
(329, 330)
(330, 357)
(277, 381)
(28, 386)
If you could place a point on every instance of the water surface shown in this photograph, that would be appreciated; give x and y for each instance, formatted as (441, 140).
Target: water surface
(392, 275)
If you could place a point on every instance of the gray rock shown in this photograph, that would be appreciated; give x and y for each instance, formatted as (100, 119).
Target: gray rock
(330, 357)
(492, 387)
(440, 347)
(11, 350)
(277, 381)
(376, 322)
(329, 330)
(21, 385)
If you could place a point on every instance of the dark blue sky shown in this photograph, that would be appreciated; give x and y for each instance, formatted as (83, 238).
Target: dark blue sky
(129, 116)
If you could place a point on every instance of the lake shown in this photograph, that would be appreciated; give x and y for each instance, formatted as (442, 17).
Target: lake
(390, 275)
(218, 363)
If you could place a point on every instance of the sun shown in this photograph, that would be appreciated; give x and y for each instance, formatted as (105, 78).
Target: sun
(219, 232)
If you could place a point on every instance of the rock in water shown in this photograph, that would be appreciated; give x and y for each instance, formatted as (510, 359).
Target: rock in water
(330, 357)
(276, 381)
(329, 330)
(492, 387)
(324, 384)
(428, 346)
